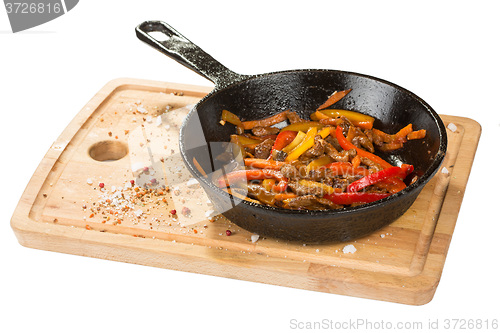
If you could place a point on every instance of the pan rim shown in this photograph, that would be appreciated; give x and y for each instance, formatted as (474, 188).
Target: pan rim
(416, 186)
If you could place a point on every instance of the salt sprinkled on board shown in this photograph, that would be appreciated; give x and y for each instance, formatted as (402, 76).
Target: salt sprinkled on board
(89, 181)
(445, 171)
(382, 236)
(349, 249)
(254, 238)
(158, 121)
(141, 109)
(452, 127)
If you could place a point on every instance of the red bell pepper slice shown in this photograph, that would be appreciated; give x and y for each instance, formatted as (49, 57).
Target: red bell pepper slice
(394, 174)
(245, 175)
(354, 197)
(283, 139)
(346, 145)
(374, 178)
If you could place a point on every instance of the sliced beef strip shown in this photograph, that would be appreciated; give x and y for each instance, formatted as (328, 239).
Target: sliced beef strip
(263, 131)
(294, 170)
(317, 149)
(372, 165)
(263, 149)
(293, 117)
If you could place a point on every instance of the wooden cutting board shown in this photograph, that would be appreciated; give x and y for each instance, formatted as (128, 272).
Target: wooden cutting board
(129, 132)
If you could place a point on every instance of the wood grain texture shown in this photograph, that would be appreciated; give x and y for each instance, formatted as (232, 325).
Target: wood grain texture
(400, 263)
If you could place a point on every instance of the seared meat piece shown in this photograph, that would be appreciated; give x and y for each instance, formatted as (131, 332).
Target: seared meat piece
(372, 165)
(263, 149)
(312, 202)
(289, 171)
(279, 155)
(293, 117)
(339, 157)
(294, 170)
(334, 142)
(318, 148)
(304, 190)
(361, 140)
(263, 131)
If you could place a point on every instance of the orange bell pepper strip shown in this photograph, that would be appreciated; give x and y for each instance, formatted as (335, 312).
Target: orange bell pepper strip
(334, 98)
(277, 118)
(346, 145)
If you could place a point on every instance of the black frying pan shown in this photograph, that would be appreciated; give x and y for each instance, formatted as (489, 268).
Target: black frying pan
(259, 96)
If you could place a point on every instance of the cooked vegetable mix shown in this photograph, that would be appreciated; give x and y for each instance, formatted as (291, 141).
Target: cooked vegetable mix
(328, 162)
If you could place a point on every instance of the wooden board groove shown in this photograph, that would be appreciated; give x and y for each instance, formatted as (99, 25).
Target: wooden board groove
(404, 265)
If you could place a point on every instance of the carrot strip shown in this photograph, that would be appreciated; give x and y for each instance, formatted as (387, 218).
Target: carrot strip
(416, 135)
(263, 164)
(334, 98)
(277, 118)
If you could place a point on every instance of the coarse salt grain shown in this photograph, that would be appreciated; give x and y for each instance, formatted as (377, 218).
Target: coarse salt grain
(382, 236)
(254, 238)
(141, 109)
(349, 249)
(209, 213)
(192, 183)
(138, 212)
(445, 171)
(149, 119)
(158, 121)
(89, 181)
(452, 127)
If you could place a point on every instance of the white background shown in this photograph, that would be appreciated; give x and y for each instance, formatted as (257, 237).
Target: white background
(444, 51)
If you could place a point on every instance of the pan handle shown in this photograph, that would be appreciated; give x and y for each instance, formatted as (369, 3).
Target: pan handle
(179, 48)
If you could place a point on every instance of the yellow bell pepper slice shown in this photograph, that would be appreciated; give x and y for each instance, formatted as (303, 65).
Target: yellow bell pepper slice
(358, 119)
(324, 132)
(307, 143)
(323, 160)
(326, 188)
(268, 184)
(298, 139)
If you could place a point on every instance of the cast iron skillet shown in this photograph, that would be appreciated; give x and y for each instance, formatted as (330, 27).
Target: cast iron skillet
(259, 96)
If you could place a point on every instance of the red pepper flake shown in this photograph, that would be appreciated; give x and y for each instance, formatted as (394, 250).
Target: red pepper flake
(110, 133)
(195, 231)
(91, 215)
(88, 227)
(228, 232)
(132, 182)
(173, 212)
(101, 185)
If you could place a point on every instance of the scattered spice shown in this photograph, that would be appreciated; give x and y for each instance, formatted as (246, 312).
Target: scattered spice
(228, 232)
(101, 185)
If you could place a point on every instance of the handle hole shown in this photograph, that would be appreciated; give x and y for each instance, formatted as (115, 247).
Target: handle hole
(159, 36)
(108, 151)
